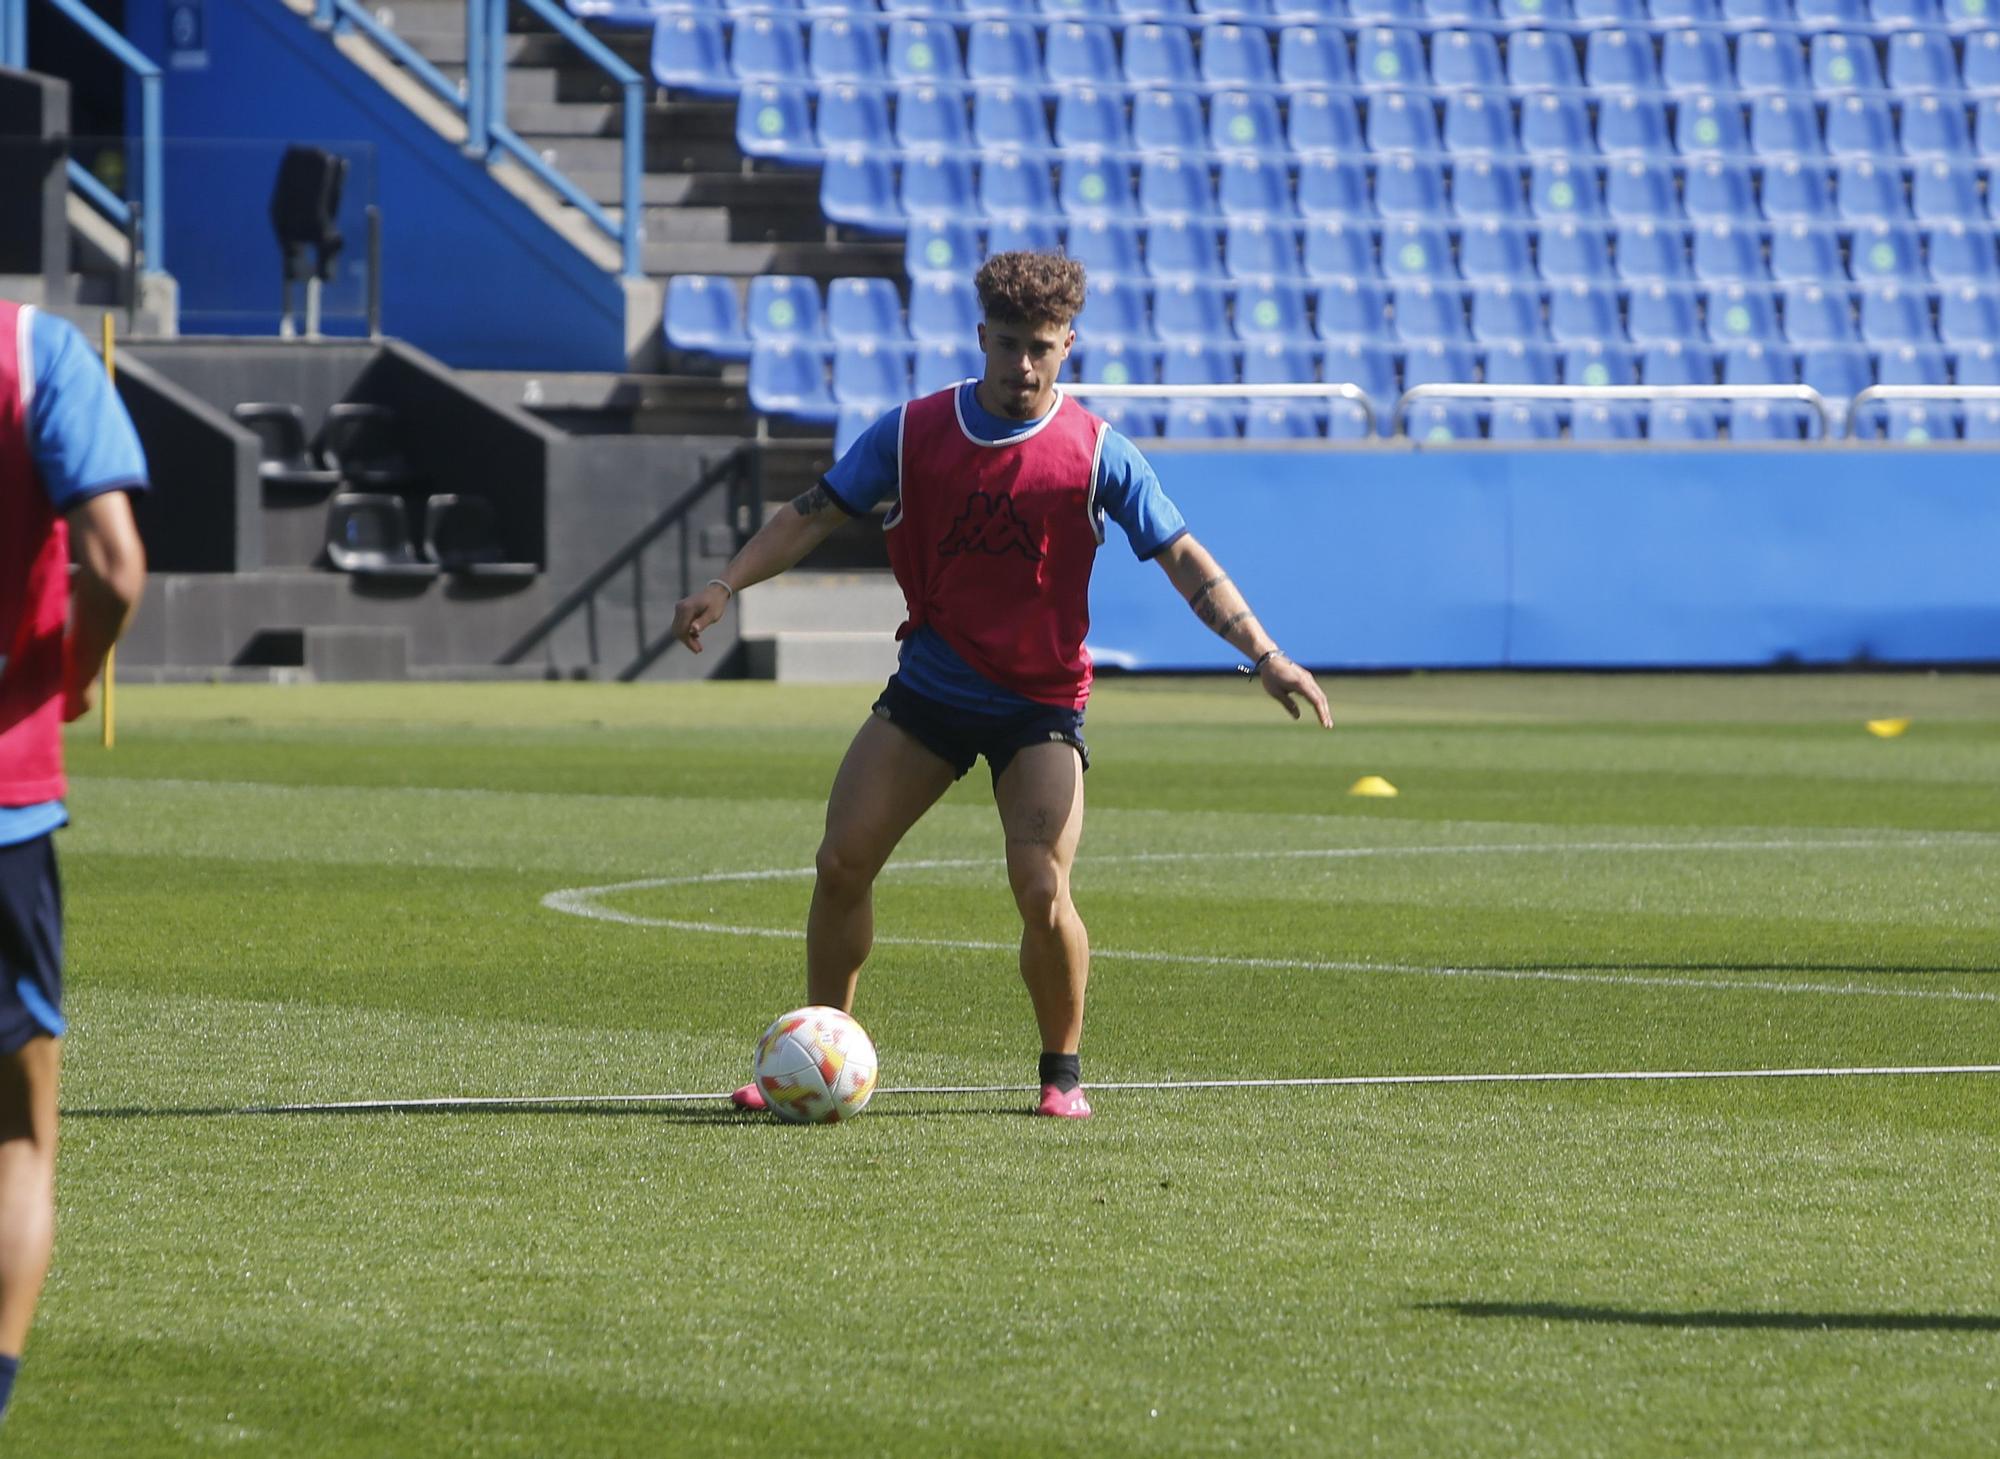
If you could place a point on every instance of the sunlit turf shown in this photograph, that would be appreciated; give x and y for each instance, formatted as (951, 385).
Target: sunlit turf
(310, 895)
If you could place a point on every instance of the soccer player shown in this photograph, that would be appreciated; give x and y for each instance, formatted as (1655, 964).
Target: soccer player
(68, 457)
(998, 489)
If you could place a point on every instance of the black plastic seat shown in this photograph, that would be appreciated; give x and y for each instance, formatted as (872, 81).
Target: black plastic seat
(364, 444)
(283, 458)
(368, 534)
(462, 535)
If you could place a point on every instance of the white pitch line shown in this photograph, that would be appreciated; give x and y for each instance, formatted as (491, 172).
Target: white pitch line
(1346, 1081)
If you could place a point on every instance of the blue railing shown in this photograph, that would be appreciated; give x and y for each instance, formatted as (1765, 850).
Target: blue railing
(483, 102)
(152, 226)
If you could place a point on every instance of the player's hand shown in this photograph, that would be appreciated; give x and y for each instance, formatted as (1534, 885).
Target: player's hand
(78, 700)
(1282, 679)
(697, 611)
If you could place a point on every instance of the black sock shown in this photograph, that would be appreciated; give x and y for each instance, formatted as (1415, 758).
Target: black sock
(1065, 1071)
(8, 1367)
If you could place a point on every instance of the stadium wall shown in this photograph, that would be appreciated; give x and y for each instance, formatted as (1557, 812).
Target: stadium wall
(470, 273)
(1577, 558)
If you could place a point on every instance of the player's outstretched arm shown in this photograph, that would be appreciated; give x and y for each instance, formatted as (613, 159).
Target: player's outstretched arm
(111, 574)
(1218, 603)
(788, 535)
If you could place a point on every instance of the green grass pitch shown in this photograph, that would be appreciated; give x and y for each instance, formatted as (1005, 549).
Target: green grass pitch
(321, 894)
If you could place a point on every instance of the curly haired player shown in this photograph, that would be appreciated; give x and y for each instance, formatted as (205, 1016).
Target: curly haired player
(998, 489)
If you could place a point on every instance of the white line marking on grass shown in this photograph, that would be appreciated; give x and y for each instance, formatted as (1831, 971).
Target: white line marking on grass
(584, 902)
(1346, 1081)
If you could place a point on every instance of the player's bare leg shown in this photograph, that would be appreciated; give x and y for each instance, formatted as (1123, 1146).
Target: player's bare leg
(1040, 796)
(27, 1183)
(884, 786)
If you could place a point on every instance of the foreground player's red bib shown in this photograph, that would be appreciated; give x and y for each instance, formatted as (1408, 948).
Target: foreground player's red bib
(34, 591)
(993, 543)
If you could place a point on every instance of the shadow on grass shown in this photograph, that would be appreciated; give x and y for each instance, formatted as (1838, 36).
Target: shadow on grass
(1770, 1321)
(1744, 965)
(677, 1114)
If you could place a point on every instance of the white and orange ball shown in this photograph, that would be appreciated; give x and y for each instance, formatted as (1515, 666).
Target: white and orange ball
(815, 1066)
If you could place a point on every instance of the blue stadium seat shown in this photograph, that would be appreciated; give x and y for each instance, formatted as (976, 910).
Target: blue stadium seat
(1445, 12)
(1886, 253)
(767, 48)
(1651, 253)
(1844, 63)
(1199, 420)
(1244, 121)
(1912, 365)
(844, 50)
(1575, 251)
(1494, 249)
(1559, 189)
(1848, 14)
(922, 50)
(1236, 55)
(1095, 186)
(1757, 12)
(1756, 364)
(1380, 11)
(1969, 315)
(1335, 250)
(1427, 312)
(941, 246)
(775, 122)
(1816, 316)
(1695, 62)
(1528, 12)
(1859, 125)
(1681, 421)
(1168, 121)
(1410, 187)
(858, 187)
(1115, 310)
(1962, 253)
(1921, 60)
(1660, 314)
(1636, 190)
(1253, 187)
(1581, 313)
(1981, 71)
(1554, 122)
(1675, 363)
(943, 309)
(938, 184)
(1982, 421)
(1332, 187)
(1742, 314)
(1198, 362)
(1483, 188)
(1237, 10)
(1010, 183)
(1281, 420)
(1867, 191)
(1089, 117)
(1414, 250)
(1770, 61)
(1466, 58)
(1692, 11)
(1837, 374)
(1620, 60)
(1346, 421)
(1707, 126)
(1804, 253)
(1119, 363)
(870, 373)
(1280, 362)
(1313, 55)
(1022, 233)
(1594, 363)
(703, 315)
(1728, 254)
(1986, 127)
(1181, 248)
(1518, 363)
(1635, 123)
(1977, 365)
(1764, 420)
(1136, 420)
(790, 379)
(1784, 126)
(1319, 122)
(1253, 249)
(1717, 190)
(1601, 422)
(1401, 122)
(1476, 124)
(1935, 126)
(1539, 59)
(1438, 362)
(1060, 9)
(1081, 53)
(1172, 188)
(1105, 246)
(1159, 55)
(933, 119)
(1371, 367)
(1524, 421)
(941, 363)
(1387, 56)
(1892, 316)
(1152, 10)
(1190, 310)
(1944, 192)
(865, 309)
(689, 52)
(1503, 313)
(784, 307)
(1797, 192)
(1271, 309)
(1441, 421)
(851, 116)
(1008, 119)
(1351, 310)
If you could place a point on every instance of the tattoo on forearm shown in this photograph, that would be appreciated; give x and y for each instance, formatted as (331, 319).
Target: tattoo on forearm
(810, 503)
(1231, 621)
(1200, 594)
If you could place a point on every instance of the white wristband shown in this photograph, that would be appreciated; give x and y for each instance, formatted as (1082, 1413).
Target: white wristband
(719, 583)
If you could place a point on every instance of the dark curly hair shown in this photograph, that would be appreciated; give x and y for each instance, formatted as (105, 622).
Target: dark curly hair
(1030, 288)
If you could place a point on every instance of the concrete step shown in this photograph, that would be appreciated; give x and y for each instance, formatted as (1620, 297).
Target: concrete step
(868, 603)
(821, 658)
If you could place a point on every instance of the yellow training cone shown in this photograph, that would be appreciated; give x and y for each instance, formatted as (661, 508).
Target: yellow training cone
(1372, 785)
(1887, 729)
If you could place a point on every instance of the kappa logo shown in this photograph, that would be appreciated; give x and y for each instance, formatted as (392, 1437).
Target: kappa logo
(989, 524)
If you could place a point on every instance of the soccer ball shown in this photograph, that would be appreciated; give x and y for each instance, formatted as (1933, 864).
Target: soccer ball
(815, 1066)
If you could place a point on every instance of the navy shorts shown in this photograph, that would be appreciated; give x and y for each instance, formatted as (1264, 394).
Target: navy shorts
(961, 736)
(31, 943)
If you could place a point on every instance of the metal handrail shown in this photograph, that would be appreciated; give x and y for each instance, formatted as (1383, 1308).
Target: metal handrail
(336, 14)
(1333, 390)
(1873, 393)
(1801, 394)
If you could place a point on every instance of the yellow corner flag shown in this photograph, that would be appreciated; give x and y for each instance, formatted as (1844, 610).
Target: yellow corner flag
(1887, 729)
(1372, 785)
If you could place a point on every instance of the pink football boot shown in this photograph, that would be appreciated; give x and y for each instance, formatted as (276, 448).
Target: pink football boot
(1063, 1106)
(749, 1097)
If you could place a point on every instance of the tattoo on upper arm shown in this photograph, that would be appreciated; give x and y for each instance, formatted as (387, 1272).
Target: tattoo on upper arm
(813, 501)
(1230, 622)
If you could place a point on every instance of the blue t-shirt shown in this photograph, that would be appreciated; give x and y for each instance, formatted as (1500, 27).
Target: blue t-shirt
(83, 444)
(1128, 492)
